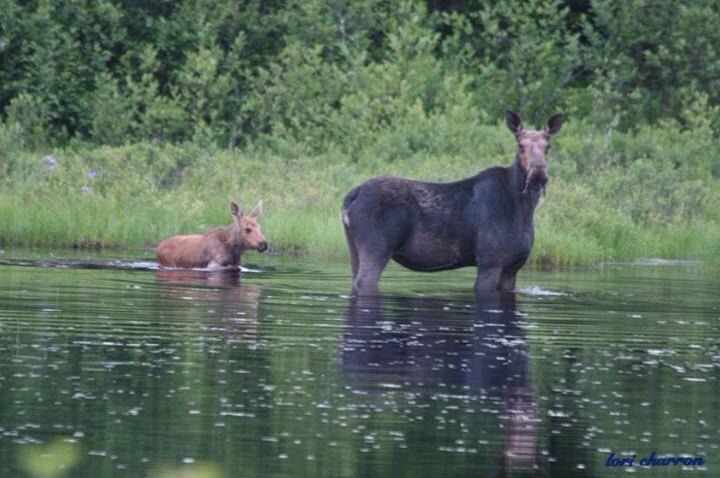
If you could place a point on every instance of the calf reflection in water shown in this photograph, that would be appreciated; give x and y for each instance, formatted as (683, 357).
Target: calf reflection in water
(216, 300)
(476, 353)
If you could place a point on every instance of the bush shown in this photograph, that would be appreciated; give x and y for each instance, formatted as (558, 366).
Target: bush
(627, 196)
(329, 74)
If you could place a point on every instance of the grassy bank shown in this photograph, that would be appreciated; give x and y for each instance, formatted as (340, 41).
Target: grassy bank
(612, 196)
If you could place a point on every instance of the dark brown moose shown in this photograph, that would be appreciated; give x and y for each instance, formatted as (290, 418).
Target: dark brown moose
(220, 247)
(484, 221)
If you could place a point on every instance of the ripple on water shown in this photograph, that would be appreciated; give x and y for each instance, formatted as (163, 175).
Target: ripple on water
(109, 264)
(283, 373)
(540, 292)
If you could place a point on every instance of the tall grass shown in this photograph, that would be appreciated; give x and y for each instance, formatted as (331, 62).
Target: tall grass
(649, 193)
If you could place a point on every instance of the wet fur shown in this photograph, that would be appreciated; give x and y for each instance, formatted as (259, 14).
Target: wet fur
(198, 250)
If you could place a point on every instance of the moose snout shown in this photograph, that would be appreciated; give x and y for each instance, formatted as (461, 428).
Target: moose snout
(538, 175)
(262, 247)
(536, 179)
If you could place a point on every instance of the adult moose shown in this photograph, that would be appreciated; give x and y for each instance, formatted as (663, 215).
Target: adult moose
(484, 221)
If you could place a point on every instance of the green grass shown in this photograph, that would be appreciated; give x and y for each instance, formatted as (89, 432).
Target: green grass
(636, 196)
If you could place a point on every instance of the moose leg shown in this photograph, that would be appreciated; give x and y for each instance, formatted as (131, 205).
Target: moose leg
(488, 279)
(226, 262)
(353, 254)
(507, 281)
(370, 267)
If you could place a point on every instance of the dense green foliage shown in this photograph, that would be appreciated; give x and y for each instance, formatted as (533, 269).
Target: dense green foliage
(320, 72)
(181, 106)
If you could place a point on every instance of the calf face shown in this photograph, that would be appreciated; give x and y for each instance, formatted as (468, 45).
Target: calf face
(533, 146)
(246, 229)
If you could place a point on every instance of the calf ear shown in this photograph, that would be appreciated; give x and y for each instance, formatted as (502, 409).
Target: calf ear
(235, 209)
(513, 122)
(257, 209)
(554, 124)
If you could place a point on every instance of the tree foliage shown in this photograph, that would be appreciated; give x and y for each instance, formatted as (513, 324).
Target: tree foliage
(330, 73)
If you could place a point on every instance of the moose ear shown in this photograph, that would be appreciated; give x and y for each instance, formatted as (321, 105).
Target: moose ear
(235, 209)
(257, 209)
(513, 122)
(554, 124)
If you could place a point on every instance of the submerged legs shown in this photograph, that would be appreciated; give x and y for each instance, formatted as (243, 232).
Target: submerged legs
(507, 282)
(488, 279)
(352, 250)
(370, 267)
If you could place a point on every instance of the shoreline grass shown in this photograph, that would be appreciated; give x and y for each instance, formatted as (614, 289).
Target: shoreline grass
(643, 194)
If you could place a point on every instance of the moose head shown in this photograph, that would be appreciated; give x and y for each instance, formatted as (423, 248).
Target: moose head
(246, 229)
(533, 146)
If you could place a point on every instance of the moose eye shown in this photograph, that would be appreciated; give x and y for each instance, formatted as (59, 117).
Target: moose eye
(248, 230)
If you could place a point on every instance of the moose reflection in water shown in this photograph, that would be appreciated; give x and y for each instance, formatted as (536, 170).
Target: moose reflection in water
(230, 306)
(478, 351)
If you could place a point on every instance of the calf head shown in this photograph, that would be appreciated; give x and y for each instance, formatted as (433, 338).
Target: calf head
(246, 229)
(533, 146)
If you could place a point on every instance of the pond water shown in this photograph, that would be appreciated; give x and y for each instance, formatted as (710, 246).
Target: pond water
(111, 368)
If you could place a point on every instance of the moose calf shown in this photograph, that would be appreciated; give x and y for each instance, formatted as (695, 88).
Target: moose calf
(220, 247)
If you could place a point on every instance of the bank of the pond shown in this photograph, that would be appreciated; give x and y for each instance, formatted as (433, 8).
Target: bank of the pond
(647, 193)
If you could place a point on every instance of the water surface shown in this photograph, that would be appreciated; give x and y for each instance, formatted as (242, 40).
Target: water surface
(277, 372)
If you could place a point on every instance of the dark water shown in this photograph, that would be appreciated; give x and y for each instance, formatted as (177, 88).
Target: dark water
(116, 370)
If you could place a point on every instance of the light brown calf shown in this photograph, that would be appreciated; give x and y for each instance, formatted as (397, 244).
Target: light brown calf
(220, 247)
